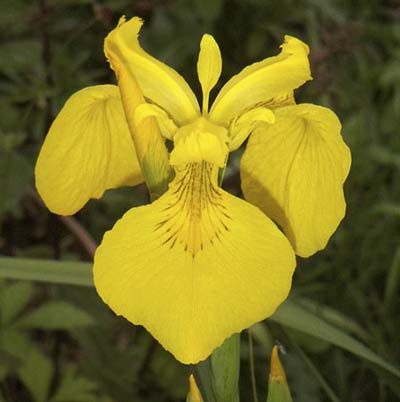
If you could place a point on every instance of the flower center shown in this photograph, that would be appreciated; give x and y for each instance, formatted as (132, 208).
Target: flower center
(195, 214)
(200, 141)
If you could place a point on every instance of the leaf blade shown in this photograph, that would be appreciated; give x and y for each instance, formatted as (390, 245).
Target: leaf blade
(293, 315)
(62, 272)
(55, 315)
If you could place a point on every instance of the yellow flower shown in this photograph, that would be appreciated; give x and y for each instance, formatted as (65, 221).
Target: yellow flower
(199, 264)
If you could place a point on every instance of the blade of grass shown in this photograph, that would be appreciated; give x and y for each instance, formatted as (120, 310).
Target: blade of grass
(392, 281)
(63, 272)
(293, 315)
(318, 376)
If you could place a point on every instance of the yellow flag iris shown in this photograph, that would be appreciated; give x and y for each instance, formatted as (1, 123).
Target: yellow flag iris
(198, 264)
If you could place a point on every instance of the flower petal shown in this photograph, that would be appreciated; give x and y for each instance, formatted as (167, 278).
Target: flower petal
(241, 127)
(294, 171)
(149, 144)
(260, 82)
(88, 150)
(209, 67)
(195, 266)
(200, 141)
(166, 124)
(159, 83)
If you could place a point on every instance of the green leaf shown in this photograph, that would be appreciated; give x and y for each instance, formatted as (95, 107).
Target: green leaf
(314, 370)
(22, 55)
(393, 281)
(13, 299)
(203, 377)
(225, 365)
(66, 272)
(293, 315)
(74, 388)
(334, 317)
(169, 374)
(14, 342)
(55, 315)
(279, 392)
(218, 376)
(36, 374)
(12, 185)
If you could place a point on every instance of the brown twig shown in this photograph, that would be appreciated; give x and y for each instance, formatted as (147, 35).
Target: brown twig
(73, 225)
(76, 228)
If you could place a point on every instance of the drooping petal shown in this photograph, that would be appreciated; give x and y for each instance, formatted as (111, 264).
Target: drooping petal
(88, 150)
(159, 83)
(195, 266)
(259, 83)
(294, 171)
(209, 67)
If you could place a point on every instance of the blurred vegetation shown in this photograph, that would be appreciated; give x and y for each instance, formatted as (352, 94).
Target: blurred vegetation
(60, 343)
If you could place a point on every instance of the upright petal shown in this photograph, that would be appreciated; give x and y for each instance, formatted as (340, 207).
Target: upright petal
(149, 144)
(200, 141)
(259, 83)
(88, 150)
(209, 67)
(294, 171)
(159, 83)
(195, 266)
(242, 126)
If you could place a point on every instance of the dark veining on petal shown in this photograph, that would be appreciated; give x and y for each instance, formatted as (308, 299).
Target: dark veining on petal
(196, 214)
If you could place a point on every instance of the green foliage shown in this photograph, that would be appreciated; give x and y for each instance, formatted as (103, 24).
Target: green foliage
(293, 315)
(83, 353)
(21, 356)
(36, 372)
(55, 315)
(225, 370)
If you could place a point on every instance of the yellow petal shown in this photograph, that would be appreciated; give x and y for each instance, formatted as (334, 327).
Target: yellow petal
(195, 266)
(209, 67)
(200, 141)
(167, 125)
(286, 99)
(294, 171)
(242, 126)
(260, 82)
(158, 82)
(88, 150)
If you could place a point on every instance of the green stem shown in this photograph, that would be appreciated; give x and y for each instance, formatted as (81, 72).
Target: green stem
(252, 367)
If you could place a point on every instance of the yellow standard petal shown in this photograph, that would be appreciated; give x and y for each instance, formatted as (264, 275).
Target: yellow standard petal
(195, 266)
(294, 171)
(159, 83)
(209, 67)
(259, 83)
(88, 150)
(142, 122)
(241, 127)
(200, 141)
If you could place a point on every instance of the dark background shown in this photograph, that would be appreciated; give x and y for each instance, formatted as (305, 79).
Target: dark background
(74, 349)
